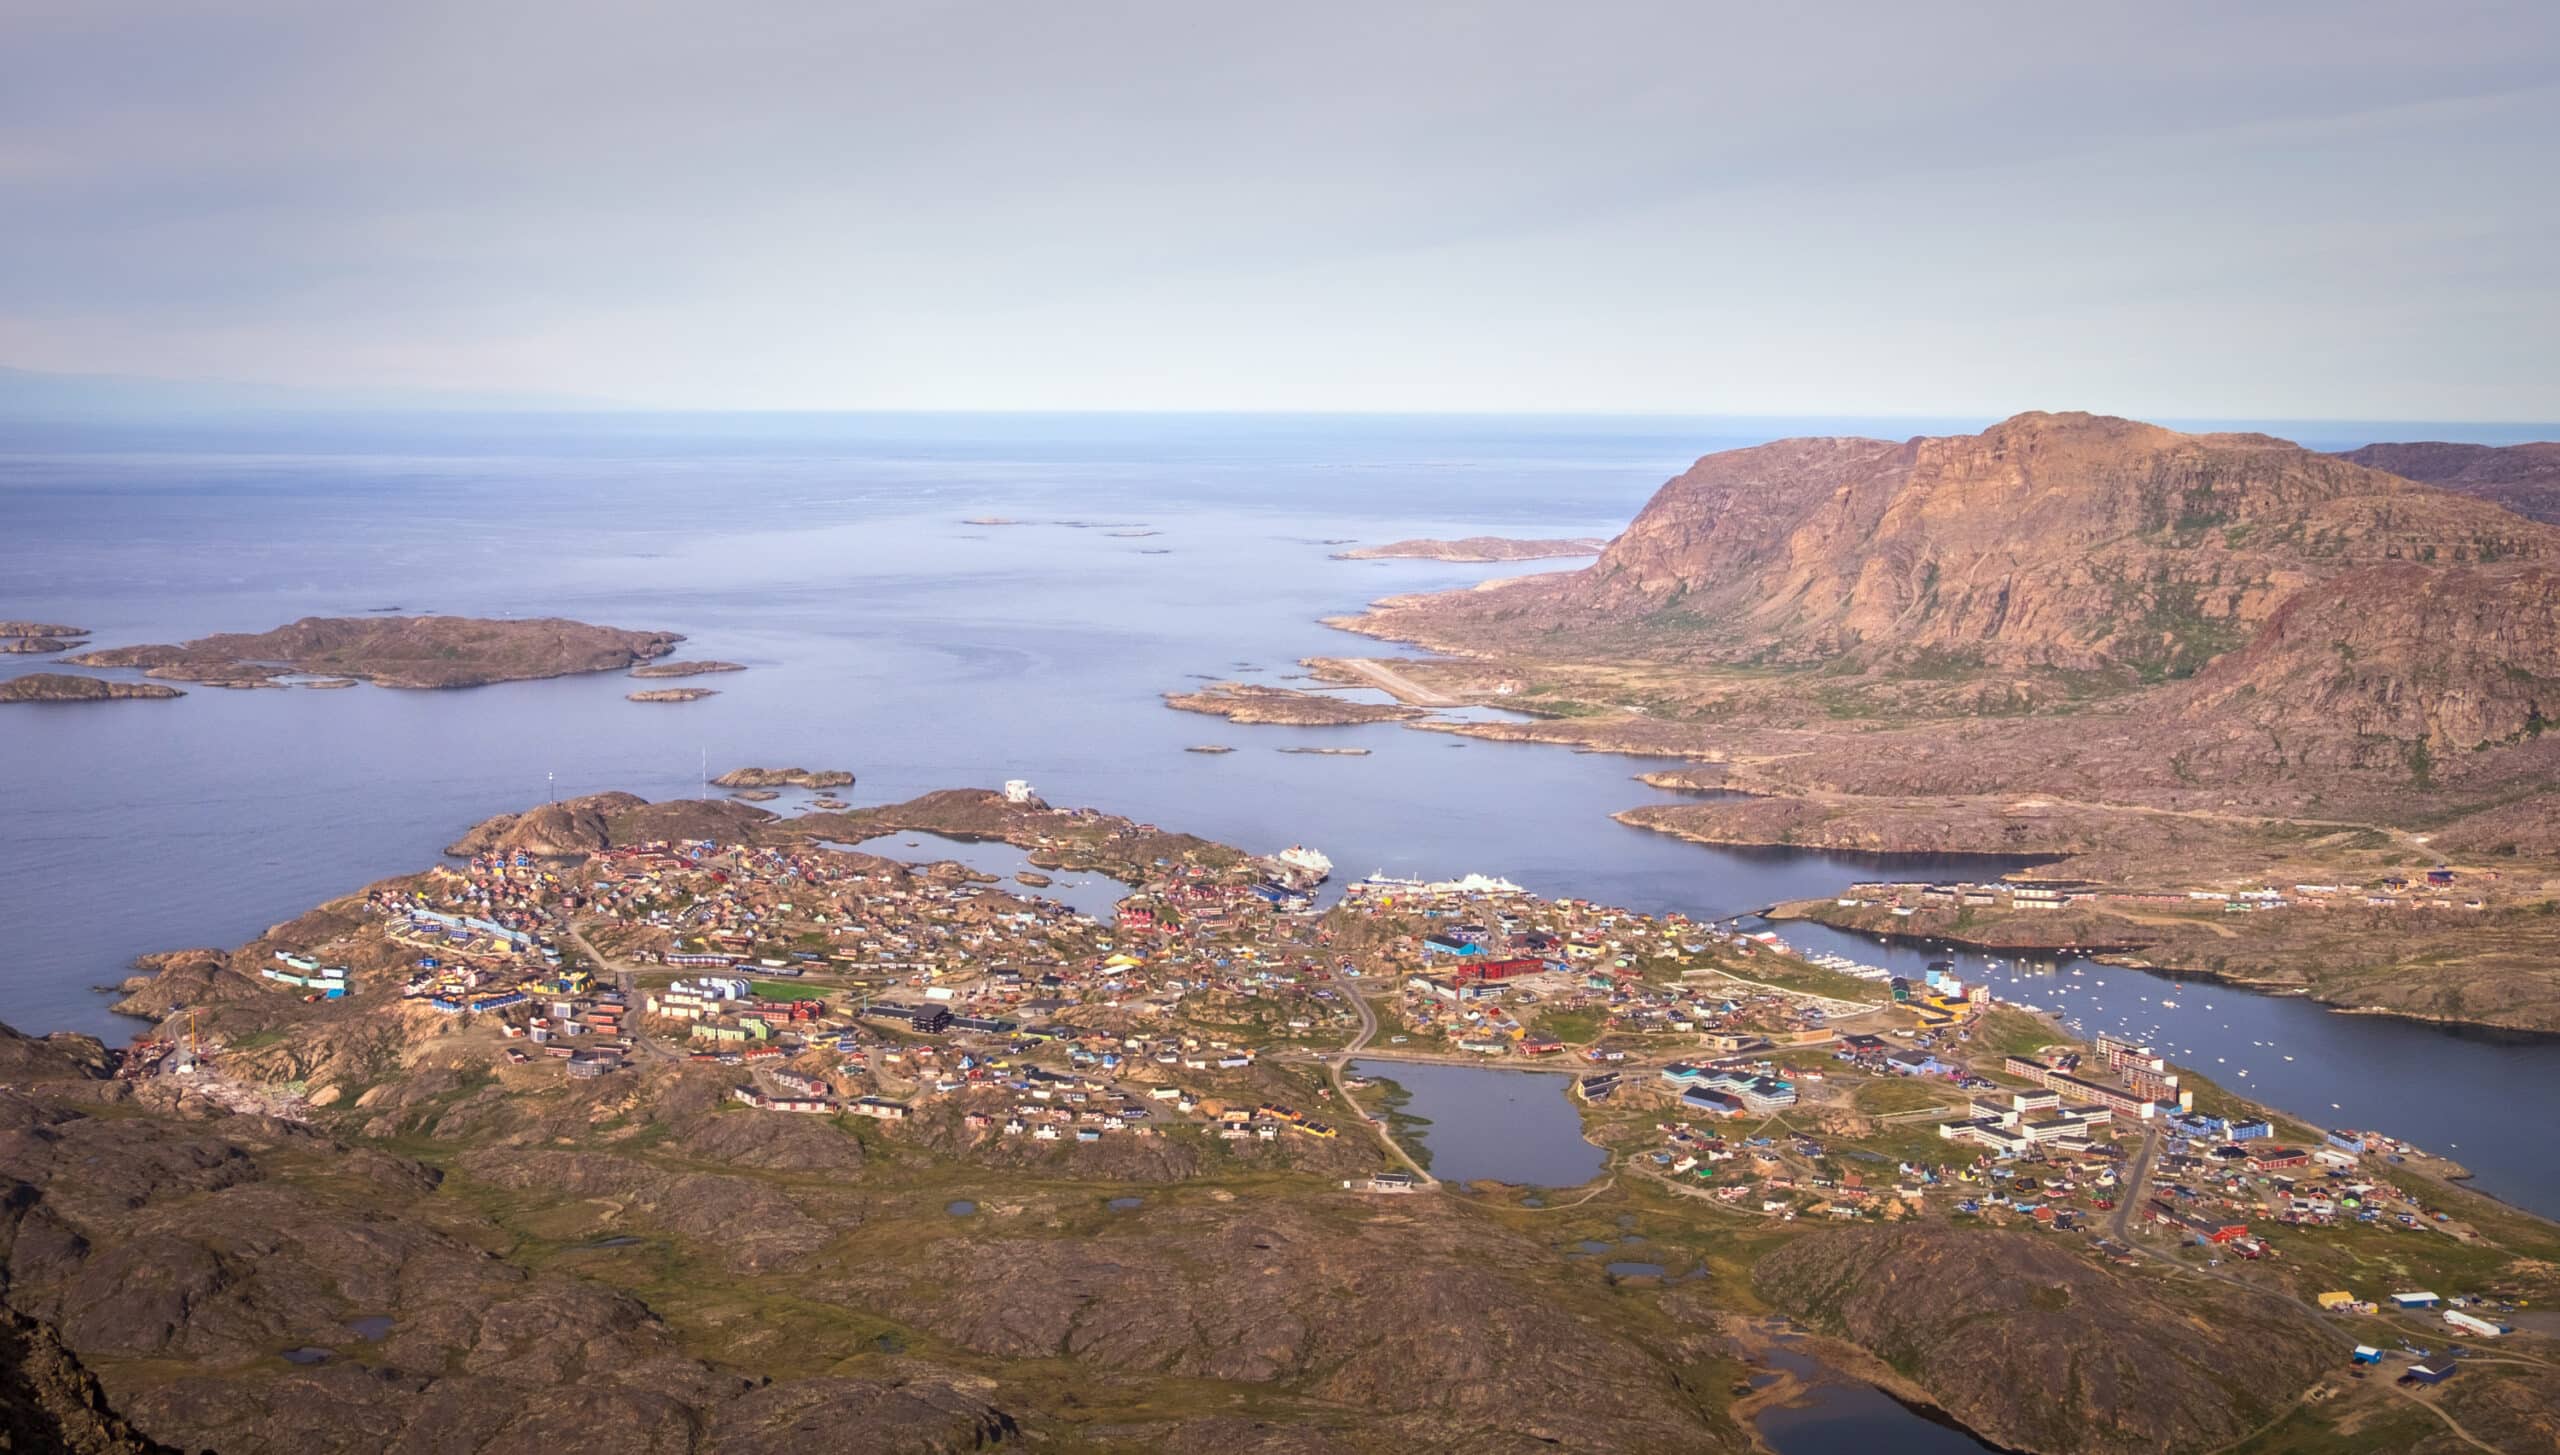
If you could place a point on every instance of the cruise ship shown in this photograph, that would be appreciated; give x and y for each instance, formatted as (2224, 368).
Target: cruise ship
(1298, 867)
(1385, 883)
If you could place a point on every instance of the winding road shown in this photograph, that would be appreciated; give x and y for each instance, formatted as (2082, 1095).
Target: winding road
(1333, 1069)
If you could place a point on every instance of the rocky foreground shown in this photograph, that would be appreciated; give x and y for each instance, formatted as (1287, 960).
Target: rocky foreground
(396, 651)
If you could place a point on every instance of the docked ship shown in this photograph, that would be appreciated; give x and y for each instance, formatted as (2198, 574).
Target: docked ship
(1298, 867)
(1385, 883)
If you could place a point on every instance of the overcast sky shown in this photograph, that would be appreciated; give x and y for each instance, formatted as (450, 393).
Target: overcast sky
(2227, 209)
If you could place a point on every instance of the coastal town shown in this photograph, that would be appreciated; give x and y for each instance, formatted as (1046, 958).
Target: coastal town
(1232, 1015)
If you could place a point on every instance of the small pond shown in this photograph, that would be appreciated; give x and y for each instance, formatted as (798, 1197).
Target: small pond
(1081, 890)
(1471, 1122)
(371, 1328)
(961, 1209)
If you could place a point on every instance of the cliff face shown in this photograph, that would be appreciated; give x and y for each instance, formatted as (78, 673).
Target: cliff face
(2105, 546)
(2064, 540)
(2523, 478)
(2460, 659)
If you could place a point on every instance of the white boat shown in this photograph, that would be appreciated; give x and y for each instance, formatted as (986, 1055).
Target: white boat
(1299, 867)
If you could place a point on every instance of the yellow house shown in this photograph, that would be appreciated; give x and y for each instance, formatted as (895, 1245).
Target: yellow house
(2336, 1300)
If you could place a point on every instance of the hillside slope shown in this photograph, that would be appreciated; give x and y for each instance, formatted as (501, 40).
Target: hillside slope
(2058, 558)
(2523, 478)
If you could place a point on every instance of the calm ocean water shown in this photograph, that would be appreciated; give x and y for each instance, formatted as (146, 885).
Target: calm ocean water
(886, 636)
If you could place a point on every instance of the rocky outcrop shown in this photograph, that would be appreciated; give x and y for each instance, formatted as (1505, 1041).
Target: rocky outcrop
(2036, 1348)
(784, 778)
(576, 826)
(1476, 549)
(63, 687)
(34, 646)
(672, 694)
(2523, 478)
(1430, 1326)
(50, 1404)
(62, 1056)
(40, 629)
(2402, 653)
(399, 651)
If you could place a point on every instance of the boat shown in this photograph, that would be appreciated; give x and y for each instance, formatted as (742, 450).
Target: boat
(1298, 867)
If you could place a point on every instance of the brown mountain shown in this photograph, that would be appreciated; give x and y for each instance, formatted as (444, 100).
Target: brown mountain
(2306, 589)
(2063, 540)
(2523, 478)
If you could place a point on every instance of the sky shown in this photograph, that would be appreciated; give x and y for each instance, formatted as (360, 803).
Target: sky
(2195, 210)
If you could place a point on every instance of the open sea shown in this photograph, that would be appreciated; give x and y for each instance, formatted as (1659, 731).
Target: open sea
(885, 635)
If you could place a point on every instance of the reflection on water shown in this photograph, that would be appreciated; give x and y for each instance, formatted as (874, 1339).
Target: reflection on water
(1519, 1127)
(1840, 1416)
(1096, 895)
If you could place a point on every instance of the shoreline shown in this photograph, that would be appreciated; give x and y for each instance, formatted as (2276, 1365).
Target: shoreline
(2124, 957)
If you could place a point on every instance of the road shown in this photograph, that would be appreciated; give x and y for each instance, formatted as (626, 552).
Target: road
(1402, 688)
(626, 978)
(1333, 1069)
(2137, 1179)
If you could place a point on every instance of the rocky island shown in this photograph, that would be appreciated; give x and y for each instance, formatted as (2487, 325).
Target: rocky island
(672, 694)
(685, 669)
(442, 1158)
(1245, 702)
(1476, 549)
(35, 646)
(784, 778)
(2175, 664)
(64, 687)
(396, 651)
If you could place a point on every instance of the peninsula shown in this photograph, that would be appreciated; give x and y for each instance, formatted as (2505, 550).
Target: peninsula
(2175, 664)
(65, 687)
(1476, 548)
(1245, 702)
(679, 1116)
(396, 651)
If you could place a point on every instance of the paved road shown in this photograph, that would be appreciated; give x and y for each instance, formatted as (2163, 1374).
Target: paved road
(1333, 1068)
(1404, 689)
(626, 979)
(2136, 1179)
